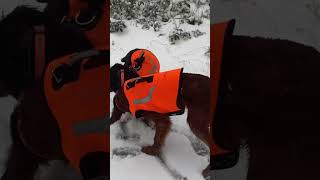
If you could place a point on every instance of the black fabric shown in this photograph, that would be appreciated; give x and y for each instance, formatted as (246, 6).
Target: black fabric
(127, 58)
(95, 165)
(224, 161)
(179, 96)
(132, 84)
(67, 73)
(128, 64)
(102, 59)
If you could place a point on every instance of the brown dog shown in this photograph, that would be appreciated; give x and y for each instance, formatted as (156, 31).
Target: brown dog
(194, 94)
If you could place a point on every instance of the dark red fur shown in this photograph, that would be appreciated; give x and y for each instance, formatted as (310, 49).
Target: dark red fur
(268, 98)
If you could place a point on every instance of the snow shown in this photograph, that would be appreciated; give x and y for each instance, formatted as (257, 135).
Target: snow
(178, 153)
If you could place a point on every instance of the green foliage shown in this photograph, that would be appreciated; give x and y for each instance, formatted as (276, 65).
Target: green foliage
(153, 14)
(147, 12)
(117, 26)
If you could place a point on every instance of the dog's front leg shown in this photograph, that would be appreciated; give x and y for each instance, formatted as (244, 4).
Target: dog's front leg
(116, 115)
(162, 125)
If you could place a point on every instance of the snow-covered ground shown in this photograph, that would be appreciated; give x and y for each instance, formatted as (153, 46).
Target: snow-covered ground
(179, 159)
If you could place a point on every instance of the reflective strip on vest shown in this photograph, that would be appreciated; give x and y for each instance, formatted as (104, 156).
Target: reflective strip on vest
(147, 98)
(153, 69)
(99, 126)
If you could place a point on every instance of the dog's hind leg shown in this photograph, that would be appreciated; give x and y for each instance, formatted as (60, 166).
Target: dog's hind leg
(162, 125)
(21, 164)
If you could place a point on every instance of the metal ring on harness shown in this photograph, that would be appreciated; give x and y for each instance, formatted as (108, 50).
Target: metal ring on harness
(76, 19)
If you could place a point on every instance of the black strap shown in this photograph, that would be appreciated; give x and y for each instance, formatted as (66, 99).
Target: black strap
(133, 83)
(66, 73)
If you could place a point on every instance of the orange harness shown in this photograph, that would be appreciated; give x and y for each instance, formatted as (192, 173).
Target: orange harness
(156, 93)
(98, 36)
(80, 107)
(217, 37)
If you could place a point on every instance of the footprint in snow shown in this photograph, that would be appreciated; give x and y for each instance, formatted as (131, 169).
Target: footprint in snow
(128, 137)
(124, 152)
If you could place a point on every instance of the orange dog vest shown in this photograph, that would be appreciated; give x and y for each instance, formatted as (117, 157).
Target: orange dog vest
(157, 93)
(80, 108)
(217, 37)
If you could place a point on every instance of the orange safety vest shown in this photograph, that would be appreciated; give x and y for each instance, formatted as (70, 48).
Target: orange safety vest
(217, 37)
(80, 108)
(157, 93)
(150, 64)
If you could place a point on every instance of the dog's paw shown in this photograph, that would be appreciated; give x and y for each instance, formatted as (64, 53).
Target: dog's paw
(128, 137)
(134, 137)
(122, 136)
(151, 150)
(206, 173)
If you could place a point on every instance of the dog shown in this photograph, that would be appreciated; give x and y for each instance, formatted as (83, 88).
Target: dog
(193, 93)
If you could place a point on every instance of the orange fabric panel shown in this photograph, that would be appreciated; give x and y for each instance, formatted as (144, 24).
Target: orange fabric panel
(164, 96)
(79, 101)
(150, 65)
(217, 35)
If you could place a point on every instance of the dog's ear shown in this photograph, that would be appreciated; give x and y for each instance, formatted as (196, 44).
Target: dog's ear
(116, 112)
(115, 77)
